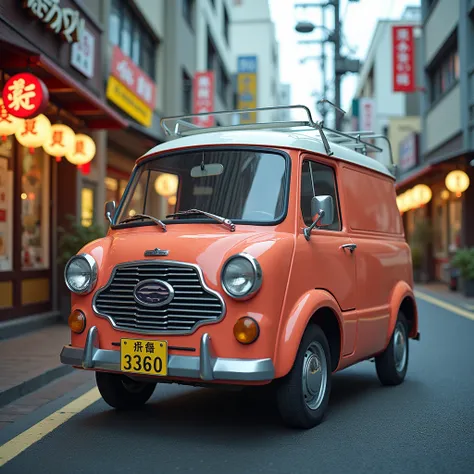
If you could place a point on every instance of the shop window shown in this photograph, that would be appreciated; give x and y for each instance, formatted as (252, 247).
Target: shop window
(6, 205)
(87, 205)
(127, 31)
(440, 221)
(35, 187)
(455, 224)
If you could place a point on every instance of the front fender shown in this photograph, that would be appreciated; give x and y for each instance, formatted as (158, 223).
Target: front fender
(293, 327)
(401, 291)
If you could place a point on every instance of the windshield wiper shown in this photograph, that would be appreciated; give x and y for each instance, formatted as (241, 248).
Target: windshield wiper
(145, 216)
(222, 220)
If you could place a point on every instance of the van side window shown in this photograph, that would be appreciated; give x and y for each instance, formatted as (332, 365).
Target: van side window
(322, 181)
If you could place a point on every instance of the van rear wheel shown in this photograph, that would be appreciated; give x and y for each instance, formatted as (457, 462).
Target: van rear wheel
(122, 392)
(392, 364)
(303, 395)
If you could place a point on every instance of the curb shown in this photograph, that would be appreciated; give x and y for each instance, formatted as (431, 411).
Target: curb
(29, 386)
(22, 326)
(453, 301)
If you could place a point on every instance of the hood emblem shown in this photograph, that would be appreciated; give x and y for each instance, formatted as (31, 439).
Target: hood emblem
(153, 293)
(156, 253)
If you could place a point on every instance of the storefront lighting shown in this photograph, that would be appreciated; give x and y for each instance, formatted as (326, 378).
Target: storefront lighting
(83, 151)
(172, 201)
(24, 196)
(444, 194)
(457, 182)
(61, 141)
(166, 185)
(8, 123)
(421, 195)
(34, 132)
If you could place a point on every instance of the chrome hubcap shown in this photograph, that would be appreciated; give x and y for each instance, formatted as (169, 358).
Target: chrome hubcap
(399, 347)
(315, 373)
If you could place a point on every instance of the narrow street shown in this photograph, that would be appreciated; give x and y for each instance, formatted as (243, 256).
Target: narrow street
(422, 426)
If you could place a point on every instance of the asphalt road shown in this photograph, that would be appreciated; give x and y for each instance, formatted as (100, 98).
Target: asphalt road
(426, 425)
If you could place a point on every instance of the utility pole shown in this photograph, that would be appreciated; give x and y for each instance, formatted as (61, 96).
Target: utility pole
(337, 58)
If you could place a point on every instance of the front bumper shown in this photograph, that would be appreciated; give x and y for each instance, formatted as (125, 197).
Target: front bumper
(205, 366)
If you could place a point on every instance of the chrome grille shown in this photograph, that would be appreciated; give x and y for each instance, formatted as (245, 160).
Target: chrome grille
(193, 303)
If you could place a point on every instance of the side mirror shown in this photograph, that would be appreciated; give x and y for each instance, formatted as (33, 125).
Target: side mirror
(110, 210)
(322, 212)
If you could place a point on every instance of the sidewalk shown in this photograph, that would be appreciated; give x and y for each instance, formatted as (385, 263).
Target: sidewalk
(31, 361)
(441, 291)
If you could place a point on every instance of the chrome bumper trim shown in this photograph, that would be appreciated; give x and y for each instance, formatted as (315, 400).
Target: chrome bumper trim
(205, 367)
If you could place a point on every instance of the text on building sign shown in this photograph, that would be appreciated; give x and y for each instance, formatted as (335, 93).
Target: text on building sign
(203, 98)
(64, 21)
(403, 59)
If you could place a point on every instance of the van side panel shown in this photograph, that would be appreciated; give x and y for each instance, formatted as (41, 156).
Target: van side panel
(382, 255)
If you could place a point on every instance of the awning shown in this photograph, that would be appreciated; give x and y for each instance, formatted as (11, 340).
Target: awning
(69, 94)
(416, 174)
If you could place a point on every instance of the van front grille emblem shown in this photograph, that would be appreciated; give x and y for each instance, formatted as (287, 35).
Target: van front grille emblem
(156, 253)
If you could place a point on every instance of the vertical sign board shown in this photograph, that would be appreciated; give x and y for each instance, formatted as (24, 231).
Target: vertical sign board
(203, 98)
(403, 59)
(408, 152)
(366, 114)
(247, 87)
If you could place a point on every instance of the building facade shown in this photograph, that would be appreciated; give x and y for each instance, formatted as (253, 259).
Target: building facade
(447, 142)
(377, 106)
(43, 58)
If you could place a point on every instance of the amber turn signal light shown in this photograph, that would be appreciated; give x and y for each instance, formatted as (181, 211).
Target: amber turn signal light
(77, 321)
(246, 330)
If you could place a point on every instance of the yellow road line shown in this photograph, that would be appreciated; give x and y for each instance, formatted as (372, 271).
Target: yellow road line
(443, 304)
(17, 445)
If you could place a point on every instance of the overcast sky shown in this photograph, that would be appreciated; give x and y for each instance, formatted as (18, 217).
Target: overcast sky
(358, 24)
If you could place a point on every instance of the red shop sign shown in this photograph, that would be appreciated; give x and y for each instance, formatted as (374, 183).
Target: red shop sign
(25, 95)
(132, 77)
(403, 55)
(203, 102)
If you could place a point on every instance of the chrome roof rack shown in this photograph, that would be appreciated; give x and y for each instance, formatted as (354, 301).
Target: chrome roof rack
(183, 125)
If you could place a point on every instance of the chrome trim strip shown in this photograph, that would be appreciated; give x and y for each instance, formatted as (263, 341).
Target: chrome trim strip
(152, 331)
(205, 367)
(257, 270)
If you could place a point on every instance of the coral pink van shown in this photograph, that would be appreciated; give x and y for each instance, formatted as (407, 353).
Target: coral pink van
(261, 254)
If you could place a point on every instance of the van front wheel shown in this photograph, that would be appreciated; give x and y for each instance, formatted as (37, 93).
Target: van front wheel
(303, 395)
(121, 392)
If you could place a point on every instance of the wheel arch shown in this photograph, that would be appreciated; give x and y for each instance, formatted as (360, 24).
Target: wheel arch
(403, 300)
(315, 307)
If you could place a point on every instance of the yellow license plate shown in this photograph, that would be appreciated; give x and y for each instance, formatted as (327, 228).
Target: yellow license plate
(140, 356)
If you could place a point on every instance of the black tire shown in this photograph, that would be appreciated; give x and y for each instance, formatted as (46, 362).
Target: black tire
(296, 410)
(391, 365)
(121, 392)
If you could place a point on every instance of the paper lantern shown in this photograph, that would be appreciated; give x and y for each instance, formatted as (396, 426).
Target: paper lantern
(444, 194)
(61, 141)
(166, 185)
(421, 194)
(9, 124)
(457, 181)
(34, 132)
(172, 201)
(83, 151)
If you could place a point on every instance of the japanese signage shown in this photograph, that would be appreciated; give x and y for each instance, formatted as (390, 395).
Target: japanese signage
(83, 54)
(247, 87)
(203, 101)
(403, 59)
(408, 152)
(366, 114)
(132, 77)
(25, 95)
(128, 102)
(66, 22)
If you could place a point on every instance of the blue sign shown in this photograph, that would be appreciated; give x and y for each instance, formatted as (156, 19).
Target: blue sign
(247, 64)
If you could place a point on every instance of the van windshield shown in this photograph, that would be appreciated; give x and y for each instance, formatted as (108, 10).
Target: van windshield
(246, 186)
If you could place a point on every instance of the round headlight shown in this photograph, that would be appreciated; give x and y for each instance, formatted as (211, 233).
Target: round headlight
(241, 276)
(80, 274)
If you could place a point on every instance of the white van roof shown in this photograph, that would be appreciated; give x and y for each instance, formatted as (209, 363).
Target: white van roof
(279, 139)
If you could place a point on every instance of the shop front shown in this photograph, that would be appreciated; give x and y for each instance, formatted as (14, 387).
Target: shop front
(435, 201)
(52, 112)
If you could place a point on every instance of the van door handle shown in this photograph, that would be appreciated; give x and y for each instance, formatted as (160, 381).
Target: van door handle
(351, 247)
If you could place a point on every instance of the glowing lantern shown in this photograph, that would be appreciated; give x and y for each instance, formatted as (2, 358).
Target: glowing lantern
(166, 184)
(172, 201)
(457, 182)
(421, 194)
(61, 141)
(82, 152)
(34, 132)
(9, 124)
(444, 194)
